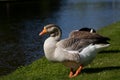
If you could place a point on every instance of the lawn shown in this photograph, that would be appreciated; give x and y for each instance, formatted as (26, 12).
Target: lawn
(106, 65)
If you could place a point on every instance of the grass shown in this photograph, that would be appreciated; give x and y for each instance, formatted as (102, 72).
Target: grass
(106, 65)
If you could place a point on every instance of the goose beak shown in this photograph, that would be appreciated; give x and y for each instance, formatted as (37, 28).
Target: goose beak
(43, 31)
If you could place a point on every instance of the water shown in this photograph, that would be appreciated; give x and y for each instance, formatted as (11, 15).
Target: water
(21, 22)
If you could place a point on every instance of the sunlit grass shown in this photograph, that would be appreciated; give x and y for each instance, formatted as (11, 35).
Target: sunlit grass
(106, 65)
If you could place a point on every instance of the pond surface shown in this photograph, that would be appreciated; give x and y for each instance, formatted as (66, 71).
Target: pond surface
(21, 22)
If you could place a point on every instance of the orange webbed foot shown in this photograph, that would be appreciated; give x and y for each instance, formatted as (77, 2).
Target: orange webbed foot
(78, 71)
(72, 74)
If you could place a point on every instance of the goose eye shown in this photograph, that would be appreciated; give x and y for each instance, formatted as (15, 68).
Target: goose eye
(52, 29)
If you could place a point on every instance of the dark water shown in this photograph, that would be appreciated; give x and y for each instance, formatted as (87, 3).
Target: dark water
(21, 22)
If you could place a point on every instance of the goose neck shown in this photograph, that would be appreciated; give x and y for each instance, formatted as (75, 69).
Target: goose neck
(57, 34)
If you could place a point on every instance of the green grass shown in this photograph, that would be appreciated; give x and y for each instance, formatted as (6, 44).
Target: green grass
(106, 65)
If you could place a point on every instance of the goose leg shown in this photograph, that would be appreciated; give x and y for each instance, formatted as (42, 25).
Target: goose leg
(78, 71)
(71, 73)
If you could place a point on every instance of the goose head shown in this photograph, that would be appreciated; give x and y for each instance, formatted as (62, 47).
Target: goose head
(76, 33)
(53, 30)
(91, 30)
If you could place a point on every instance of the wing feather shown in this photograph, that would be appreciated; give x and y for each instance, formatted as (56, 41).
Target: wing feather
(74, 44)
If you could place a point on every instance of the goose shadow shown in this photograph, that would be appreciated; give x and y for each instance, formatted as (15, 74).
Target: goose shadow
(109, 51)
(97, 70)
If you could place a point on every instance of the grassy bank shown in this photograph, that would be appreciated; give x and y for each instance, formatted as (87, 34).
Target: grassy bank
(106, 65)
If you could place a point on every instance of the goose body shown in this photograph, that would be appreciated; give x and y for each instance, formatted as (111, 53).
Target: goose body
(76, 51)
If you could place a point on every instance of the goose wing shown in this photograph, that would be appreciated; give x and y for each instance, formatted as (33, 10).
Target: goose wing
(86, 35)
(74, 44)
(80, 40)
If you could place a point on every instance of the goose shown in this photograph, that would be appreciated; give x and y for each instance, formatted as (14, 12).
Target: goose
(75, 51)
